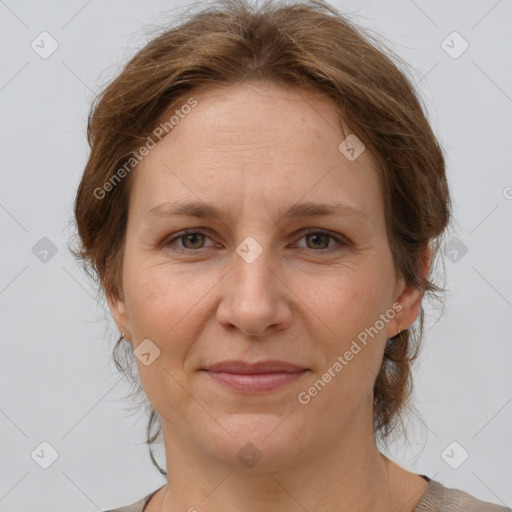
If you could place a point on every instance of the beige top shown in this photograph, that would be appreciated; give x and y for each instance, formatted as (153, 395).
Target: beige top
(436, 498)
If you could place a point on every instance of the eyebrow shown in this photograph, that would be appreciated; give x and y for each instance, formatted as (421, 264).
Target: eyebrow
(304, 209)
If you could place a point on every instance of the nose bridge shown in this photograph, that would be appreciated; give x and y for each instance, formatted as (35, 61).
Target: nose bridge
(251, 298)
(252, 272)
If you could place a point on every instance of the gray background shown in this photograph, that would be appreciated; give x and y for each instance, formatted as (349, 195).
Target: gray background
(58, 382)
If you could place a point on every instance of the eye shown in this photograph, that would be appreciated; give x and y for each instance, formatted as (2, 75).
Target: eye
(318, 239)
(193, 239)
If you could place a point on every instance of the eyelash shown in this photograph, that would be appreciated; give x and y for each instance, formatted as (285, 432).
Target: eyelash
(341, 242)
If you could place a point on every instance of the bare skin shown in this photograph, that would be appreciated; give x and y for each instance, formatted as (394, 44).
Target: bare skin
(255, 150)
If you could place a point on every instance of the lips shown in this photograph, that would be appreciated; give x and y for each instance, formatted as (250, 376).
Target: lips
(257, 377)
(247, 368)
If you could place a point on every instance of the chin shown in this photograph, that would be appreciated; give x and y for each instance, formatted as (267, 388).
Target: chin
(259, 442)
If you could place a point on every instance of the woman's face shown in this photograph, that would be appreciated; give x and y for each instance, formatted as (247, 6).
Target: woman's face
(252, 285)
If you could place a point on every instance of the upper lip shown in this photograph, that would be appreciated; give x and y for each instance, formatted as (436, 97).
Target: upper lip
(244, 367)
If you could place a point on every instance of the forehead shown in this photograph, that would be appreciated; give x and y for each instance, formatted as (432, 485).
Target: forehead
(258, 143)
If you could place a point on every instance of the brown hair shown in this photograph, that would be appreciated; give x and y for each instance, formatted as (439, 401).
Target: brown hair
(302, 44)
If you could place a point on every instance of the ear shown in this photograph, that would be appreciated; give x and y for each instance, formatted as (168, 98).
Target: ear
(409, 297)
(117, 308)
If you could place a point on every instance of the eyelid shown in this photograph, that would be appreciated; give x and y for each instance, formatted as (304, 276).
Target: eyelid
(190, 231)
(341, 241)
(336, 236)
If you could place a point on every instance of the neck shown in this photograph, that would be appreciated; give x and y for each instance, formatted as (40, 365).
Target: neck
(344, 474)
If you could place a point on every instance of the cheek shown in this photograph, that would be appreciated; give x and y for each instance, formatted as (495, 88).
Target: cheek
(352, 352)
(350, 300)
(147, 300)
(350, 307)
(166, 305)
(160, 305)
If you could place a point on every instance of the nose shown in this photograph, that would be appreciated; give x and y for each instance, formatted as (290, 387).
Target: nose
(255, 298)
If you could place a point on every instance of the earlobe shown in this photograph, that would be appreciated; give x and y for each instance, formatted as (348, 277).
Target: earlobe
(410, 300)
(117, 308)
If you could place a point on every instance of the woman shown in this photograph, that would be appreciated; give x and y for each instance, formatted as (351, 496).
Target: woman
(262, 205)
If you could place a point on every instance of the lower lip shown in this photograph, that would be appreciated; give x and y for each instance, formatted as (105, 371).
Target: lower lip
(254, 383)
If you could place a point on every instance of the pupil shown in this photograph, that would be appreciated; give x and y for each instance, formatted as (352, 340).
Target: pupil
(193, 236)
(314, 237)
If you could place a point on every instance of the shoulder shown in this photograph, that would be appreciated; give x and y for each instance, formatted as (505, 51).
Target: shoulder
(135, 507)
(438, 498)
